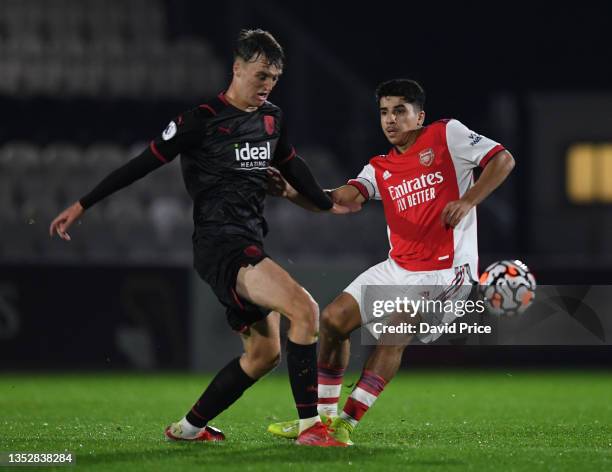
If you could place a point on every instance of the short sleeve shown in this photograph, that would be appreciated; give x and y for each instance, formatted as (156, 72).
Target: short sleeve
(365, 182)
(184, 132)
(468, 146)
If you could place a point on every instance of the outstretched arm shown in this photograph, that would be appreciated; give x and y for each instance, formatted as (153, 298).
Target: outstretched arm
(348, 195)
(299, 177)
(125, 175)
(344, 199)
(495, 172)
(182, 133)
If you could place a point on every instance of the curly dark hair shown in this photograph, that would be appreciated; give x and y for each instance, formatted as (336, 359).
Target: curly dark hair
(410, 90)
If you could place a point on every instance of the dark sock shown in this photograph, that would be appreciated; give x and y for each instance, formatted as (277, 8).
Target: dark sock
(302, 366)
(227, 387)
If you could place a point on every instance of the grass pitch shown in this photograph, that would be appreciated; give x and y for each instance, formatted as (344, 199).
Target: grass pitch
(435, 421)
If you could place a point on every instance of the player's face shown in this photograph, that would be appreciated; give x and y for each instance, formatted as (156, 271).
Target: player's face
(255, 79)
(399, 119)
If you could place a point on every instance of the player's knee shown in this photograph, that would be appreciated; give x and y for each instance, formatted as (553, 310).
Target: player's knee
(333, 321)
(305, 310)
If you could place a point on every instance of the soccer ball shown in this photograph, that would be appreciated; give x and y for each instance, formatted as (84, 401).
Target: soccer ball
(507, 288)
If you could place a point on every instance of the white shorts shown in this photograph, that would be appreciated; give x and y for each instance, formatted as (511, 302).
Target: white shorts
(440, 286)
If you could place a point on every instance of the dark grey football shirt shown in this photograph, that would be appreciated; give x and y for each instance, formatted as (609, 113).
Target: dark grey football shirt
(224, 156)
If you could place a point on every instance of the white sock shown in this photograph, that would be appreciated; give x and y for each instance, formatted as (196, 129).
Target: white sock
(188, 430)
(308, 422)
(328, 399)
(328, 410)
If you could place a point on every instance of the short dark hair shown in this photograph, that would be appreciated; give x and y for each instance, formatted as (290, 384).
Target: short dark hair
(253, 43)
(410, 90)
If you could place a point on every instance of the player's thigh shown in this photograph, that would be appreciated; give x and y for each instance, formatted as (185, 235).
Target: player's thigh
(342, 316)
(262, 339)
(270, 286)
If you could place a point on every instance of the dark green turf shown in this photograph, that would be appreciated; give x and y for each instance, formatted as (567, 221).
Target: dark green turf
(423, 421)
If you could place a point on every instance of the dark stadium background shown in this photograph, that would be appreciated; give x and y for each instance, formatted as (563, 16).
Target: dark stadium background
(84, 84)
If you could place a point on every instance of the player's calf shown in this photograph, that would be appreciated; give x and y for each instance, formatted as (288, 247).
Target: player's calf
(338, 320)
(260, 358)
(228, 385)
(380, 368)
(363, 396)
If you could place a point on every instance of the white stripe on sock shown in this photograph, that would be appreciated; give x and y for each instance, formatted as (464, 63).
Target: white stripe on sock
(349, 418)
(329, 391)
(330, 410)
(364, 397)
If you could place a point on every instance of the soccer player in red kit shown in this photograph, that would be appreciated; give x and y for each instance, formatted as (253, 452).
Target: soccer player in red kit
(427, 188)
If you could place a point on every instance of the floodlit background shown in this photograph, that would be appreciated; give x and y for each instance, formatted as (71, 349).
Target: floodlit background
(85, 84)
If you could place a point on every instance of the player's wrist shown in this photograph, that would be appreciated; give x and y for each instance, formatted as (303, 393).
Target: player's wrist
(291, 193)
(470, 200)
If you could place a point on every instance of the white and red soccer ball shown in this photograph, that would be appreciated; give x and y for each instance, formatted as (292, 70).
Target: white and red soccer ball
(507, 287)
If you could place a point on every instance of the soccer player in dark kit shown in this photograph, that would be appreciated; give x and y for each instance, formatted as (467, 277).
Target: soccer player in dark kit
(227, 145)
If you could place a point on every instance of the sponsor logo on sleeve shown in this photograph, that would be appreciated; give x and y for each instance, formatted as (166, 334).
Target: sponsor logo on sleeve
(170, 131)
(474, 139)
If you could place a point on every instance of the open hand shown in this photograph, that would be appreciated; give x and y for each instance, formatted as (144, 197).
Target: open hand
(64, 220)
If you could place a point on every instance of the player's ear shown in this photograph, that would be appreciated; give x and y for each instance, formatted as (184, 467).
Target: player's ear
(421, 118)
(237, 67)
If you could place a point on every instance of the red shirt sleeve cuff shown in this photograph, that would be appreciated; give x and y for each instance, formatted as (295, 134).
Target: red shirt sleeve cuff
(156, 152)
(359, 186)
(291, 155)
(484, 161)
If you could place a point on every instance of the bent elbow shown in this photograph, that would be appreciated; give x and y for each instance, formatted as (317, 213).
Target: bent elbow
(510, 162)
(505, 161)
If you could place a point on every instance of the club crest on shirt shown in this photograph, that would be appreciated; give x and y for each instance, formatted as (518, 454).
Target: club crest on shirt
(170, 131)
(269, 124)
(426, 156)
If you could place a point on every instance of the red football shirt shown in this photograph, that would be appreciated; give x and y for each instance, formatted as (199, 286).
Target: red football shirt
(416, 186)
